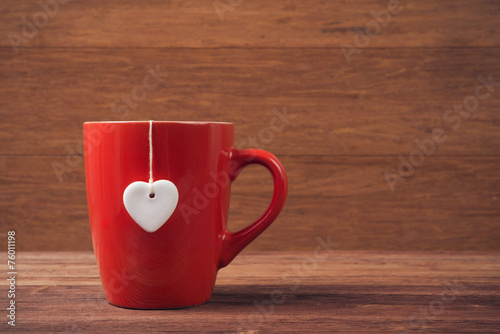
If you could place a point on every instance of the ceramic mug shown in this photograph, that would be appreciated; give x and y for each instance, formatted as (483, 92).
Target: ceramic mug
(176, 265)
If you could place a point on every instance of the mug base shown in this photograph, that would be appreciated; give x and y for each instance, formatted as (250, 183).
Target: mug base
(156, 308)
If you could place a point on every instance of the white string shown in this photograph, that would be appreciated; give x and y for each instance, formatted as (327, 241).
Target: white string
(151, 156)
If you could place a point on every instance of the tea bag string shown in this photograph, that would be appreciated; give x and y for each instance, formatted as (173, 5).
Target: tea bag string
(151, 157)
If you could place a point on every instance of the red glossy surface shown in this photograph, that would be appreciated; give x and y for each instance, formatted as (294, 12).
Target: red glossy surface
(177, 265)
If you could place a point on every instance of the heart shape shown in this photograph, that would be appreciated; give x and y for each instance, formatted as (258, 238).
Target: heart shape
(150, 213)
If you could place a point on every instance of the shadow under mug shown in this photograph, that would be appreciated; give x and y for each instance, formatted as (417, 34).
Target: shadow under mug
(175, 266)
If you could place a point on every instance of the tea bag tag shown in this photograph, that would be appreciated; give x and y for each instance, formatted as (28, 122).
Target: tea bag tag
(151, 204)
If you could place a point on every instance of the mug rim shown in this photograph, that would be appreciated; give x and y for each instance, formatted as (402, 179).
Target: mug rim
(165, 122)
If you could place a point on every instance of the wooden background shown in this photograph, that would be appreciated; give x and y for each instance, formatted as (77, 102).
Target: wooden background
(352, 120)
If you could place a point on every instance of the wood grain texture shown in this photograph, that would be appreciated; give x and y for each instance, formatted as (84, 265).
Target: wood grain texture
(346, 292)
(283, 23)
(377, 106)
(450, 203)
(352, 120)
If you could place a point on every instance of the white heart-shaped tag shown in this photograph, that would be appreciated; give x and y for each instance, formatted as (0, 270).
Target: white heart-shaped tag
(151, 213)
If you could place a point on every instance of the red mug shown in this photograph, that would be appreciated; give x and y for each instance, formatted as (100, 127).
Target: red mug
(176, 265)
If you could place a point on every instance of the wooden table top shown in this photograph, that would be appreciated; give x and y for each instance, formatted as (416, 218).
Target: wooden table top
(342, 292)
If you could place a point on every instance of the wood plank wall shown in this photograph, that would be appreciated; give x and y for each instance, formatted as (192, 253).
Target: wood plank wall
(353, 116)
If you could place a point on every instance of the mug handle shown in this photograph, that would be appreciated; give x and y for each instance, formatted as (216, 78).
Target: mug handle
(233, 243)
